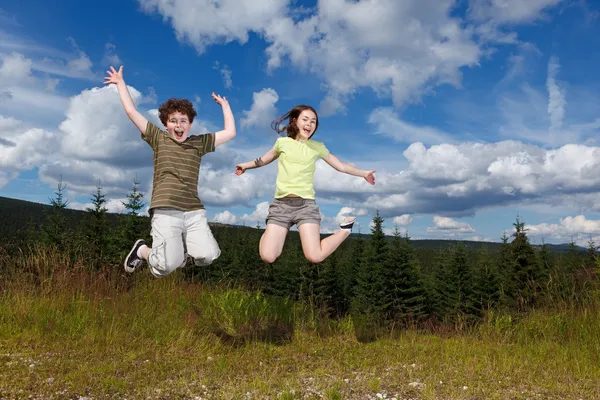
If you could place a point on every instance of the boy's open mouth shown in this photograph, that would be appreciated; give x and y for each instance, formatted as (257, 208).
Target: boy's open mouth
(178, 132)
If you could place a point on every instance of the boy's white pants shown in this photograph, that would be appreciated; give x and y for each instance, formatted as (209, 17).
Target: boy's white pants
(174, 232)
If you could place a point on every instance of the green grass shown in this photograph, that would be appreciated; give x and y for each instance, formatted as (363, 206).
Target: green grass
(167, 339)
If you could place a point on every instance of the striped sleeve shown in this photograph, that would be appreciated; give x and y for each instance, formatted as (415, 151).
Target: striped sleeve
(151, 134)
(205, 143)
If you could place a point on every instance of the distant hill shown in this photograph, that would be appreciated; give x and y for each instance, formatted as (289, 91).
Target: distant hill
(17, 215)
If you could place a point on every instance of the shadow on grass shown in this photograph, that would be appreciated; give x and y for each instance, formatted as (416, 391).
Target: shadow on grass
(237, 317)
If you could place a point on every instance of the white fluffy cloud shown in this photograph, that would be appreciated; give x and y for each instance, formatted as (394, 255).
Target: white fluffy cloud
(23, 149)
(449, 225)
(398, 49)
(580, 229)
(402, 220)
(509, 11)
(97, 129)
(257, 217)
(262, 111)
(15, 69)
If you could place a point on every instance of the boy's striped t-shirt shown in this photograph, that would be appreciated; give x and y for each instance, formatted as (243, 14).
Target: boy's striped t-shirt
(176, 168)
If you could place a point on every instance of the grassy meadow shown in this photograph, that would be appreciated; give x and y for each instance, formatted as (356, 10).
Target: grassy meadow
(67, 333)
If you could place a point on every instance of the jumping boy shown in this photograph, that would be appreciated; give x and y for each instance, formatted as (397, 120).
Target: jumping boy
(179, 224)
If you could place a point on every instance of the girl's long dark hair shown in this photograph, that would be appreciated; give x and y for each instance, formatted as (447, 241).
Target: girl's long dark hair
(291, 116)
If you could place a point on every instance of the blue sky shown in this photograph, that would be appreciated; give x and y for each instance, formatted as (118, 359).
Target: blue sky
(472, 112)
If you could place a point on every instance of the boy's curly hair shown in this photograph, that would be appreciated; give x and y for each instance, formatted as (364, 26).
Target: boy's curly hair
(176, 105)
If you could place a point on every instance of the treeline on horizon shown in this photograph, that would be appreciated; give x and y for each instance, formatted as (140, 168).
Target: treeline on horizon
(376, 280)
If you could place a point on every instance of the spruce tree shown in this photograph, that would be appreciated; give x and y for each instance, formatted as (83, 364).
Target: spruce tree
(54, 230)
(487, 281)
(96, 230)
(526, 268)
(404, 286)
(133, 226)
(369, 299)
(505, 269)
(460, 293)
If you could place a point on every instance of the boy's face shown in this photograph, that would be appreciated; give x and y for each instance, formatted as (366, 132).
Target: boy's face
(178, 126)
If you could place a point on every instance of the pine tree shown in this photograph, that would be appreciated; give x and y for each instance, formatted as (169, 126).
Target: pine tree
(462, 300)
(487, 282)
(404, 286)
(591, 254)
(133, 226)
(54, 230)
(369, 299)
(526, 269)
(505, 268)
(96, 231)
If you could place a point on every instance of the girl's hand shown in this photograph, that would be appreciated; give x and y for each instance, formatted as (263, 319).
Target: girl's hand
(240, 169)
(220, 100)
(114, 76)
(370, 177)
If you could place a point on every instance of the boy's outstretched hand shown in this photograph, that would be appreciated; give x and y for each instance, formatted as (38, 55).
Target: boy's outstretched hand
(220, 100)
(114, 76)
(370, 177)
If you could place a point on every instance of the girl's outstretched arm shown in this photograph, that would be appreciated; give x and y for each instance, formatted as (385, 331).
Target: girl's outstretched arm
(346, 168)
(268, 158)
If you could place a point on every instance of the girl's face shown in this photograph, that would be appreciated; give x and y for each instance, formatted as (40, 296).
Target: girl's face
(306, 123)
(178, 126)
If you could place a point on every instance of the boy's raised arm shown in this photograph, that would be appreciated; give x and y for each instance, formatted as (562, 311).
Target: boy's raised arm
(116, 77)
(228, 131)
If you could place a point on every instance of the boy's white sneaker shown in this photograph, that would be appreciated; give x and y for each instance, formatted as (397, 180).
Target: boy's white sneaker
(133, 261)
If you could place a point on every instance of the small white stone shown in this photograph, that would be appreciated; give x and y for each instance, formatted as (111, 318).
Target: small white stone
(209, 358)
(50, 380)
(465, 387)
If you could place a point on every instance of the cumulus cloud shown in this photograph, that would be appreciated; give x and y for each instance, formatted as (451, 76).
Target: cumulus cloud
(459, 179)
(398, 49)
(402, 220)
(258, 216)
(23, 150)
(449, 225)
(15, 69)
(97, 129)
(566, 227)
(509, 11)
(262, 111)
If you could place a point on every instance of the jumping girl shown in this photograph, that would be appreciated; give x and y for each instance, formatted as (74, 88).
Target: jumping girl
(294, 195)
